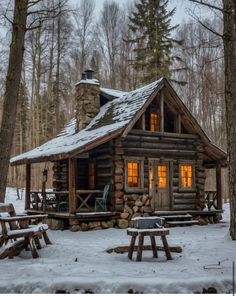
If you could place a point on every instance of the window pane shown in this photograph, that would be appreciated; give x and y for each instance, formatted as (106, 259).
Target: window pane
(186, 173)
(162, 176)
(154, 122)
(133, 174)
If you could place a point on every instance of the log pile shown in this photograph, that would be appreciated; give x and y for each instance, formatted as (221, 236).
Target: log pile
(135, 205)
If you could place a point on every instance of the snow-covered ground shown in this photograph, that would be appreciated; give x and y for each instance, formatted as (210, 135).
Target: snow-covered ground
(77, 262)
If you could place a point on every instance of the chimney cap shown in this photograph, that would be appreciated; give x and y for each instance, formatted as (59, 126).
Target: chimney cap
(89, 73)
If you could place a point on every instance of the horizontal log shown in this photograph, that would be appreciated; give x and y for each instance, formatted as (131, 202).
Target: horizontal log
(159, 152)
(184, 207)
(189, 201)
(158, 145)
(184, 195)
(103, 175)
(103, 165)
(103, 157)
(164, 135)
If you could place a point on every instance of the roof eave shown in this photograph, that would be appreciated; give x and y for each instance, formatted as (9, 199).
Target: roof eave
(71, 154)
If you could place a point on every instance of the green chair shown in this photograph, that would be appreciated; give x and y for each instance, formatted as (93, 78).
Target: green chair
(101, 202)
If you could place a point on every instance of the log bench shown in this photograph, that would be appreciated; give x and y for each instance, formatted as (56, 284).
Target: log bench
(17, 233)
(152, 233)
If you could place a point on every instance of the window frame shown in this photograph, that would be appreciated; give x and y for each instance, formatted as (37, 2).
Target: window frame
(140, 161)
(187, 163)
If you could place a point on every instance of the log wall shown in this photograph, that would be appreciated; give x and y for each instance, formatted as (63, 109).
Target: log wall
(174, 148)
(60, 175)
(104, 167)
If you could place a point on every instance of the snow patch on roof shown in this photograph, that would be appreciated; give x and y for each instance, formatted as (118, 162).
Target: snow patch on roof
(113, 116)
(113, 92)
(88, 81)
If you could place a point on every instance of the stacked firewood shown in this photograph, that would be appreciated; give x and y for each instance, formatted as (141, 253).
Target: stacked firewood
(135, 206)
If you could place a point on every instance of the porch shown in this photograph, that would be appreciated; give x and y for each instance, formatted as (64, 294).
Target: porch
(58, 201)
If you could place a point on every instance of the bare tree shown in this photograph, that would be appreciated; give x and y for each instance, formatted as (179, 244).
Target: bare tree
(229, 40)
(23, 10)
(111, 19)
(84, 18)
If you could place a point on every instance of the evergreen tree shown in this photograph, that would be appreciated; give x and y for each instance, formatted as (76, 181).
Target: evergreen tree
(151, 28)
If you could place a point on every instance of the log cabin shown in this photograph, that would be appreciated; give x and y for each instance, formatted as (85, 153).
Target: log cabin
(145, 144)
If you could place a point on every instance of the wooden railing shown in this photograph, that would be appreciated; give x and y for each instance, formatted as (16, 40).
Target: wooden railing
(211, 200)
(57, 201)
(54, 201)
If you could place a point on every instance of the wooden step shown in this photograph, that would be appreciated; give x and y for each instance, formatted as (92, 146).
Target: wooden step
(169, 213)
(182, 223)
(186, 217)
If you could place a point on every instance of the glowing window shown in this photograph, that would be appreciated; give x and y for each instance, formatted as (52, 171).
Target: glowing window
(186, 174)
(91, 173)
(133, 174)
(162, 176)
(154, 122)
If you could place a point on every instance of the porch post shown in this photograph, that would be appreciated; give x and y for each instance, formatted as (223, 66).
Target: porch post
(27, 186)
(72, 185)
(218, 186)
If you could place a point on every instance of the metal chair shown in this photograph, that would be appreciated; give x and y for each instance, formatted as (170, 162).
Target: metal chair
(101, 202)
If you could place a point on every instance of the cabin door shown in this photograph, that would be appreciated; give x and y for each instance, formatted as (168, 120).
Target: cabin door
(159, 183)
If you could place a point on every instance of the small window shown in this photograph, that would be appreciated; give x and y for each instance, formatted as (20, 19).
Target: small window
(133, 174)
(91, 174)
(154, 122)
(162, 176)
(186, 175)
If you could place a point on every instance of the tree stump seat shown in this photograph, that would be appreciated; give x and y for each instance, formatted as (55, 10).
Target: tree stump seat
(152, 233)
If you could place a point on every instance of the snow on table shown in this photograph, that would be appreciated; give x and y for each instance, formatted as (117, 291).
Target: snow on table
(77, 262)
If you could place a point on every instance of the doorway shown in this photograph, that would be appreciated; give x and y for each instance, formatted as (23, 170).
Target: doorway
(159, 184)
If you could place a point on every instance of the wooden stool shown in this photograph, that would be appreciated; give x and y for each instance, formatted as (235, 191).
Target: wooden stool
(140, 233)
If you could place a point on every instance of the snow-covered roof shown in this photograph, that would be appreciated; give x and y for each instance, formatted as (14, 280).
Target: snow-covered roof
(112, 92)
(110, 121)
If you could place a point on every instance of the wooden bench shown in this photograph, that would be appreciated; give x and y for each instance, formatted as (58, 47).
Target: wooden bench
(152, 233)
(18, 234)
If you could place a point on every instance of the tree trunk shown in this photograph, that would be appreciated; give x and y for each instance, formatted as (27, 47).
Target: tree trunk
(12, 89)
(230, 100)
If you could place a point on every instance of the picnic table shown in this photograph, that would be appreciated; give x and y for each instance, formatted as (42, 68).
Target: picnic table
(152, 233)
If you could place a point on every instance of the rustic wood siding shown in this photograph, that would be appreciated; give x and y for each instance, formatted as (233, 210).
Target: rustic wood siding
(176, 148)
(104, 167)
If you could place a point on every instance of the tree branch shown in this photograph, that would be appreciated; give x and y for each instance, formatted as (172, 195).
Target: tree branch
(210, 29)
(208, 5)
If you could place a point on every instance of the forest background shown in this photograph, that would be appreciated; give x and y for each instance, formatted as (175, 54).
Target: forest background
(84, 35)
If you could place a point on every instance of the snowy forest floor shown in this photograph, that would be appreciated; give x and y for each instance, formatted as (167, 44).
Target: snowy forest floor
(77, 262)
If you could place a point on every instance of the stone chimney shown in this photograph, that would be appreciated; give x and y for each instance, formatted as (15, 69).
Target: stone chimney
(87, 99)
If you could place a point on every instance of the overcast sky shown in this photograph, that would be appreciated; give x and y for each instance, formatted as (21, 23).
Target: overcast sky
(181, 8)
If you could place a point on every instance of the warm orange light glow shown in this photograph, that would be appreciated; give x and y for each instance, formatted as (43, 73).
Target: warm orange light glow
(186, 172)
(91, 173)
(151, 178)
(154, 122)
(162, 176)
(133, 174)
